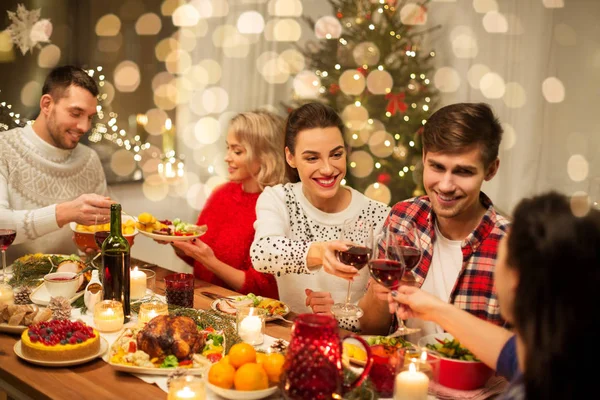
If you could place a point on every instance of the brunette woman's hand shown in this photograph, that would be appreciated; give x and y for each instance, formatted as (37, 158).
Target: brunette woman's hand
(332, 265)
(196, 249)
(319, 302)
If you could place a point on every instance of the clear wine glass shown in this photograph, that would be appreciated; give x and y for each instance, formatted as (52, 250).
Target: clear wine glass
(359, 234)
(7, 236)
(397, 253)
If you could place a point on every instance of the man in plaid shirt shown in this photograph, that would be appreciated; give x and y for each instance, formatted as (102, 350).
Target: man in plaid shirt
(457, 226)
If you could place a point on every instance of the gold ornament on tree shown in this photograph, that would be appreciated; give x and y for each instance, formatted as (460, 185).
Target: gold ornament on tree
(60, 307)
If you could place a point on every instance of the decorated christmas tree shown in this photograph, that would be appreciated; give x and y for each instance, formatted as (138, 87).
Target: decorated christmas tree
(370, 65)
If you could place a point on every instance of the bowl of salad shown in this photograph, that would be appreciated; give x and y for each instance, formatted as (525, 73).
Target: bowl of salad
(459, 368)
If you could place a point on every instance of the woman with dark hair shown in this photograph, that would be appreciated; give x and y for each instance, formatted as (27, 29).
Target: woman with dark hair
(553, 316)
(298, 224)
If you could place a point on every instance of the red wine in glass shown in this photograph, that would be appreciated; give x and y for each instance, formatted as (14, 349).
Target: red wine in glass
(357, 256)
(100, 237)
(411, 256)
(387, 272)
(7, 236)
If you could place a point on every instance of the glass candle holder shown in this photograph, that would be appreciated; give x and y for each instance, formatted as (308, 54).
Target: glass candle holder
(417, 374)
(187, 388)
(6, 294)
(152, 309)
(179, 289)
(251, 324)
(150, 278)
(108, 316)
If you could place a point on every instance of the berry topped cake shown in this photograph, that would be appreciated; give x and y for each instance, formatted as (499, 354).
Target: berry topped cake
(60, 341)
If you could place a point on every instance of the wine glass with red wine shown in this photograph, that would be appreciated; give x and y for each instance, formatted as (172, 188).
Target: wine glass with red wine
(359, 235)
(397, 254)
(7, 236)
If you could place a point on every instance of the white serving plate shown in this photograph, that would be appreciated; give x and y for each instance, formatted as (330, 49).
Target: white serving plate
(103, 348)
(172, 238)
(232, 394)
(41, 296)
(215, 306)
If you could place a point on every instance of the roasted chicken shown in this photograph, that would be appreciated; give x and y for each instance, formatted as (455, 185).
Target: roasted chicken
(165, 335)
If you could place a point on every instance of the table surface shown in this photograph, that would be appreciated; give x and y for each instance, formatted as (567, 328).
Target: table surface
(96, 379)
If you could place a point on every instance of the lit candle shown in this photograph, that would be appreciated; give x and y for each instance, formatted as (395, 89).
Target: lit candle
(151, 310)
(137, 284)
(186, 388)
(411, 385)
(6, 294)
(250, 329)
(108, 316)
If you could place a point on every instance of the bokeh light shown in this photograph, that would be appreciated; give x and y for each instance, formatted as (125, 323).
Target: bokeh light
(355, 117)
(465, 46)
(127, 76)
(476, 72)
(122, 162)
(148, 24)
(306, 85)
(381, 144)
(553, 3)
(485, 6)
(30, 94)
(207, 130)
(165, 47)
(178, 62)
(577, 168)
(494, 22)
(379, 82)
(379, 192)
(553, 90)
(361, 164)
(515, 95)
(185, 15)
(157, 119)
(492, 86)
(213, 69)
(366, 53)
(215, 100)
(413, 14)
(352, 82)
(509, 137)
(285, 8)
(250, 22)
(49, 56)
(294, 59)
(328, 27)
(155, 188)
(446, 80)
(108, 25)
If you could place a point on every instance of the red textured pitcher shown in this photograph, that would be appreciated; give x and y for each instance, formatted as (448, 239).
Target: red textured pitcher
(313, 363)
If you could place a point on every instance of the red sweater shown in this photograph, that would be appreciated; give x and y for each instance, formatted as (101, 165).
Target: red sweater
(229, 214)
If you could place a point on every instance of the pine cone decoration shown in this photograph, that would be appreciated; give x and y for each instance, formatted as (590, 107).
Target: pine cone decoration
(61, 308)
(22, 295)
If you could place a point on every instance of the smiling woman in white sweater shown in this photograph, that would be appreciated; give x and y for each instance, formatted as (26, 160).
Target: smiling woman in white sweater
(299, 224)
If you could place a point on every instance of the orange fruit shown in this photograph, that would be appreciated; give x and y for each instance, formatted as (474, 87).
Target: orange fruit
(251, 376)
(240, 354)
(222, 375)
(225, 360)
(260, 357)
(273, 366)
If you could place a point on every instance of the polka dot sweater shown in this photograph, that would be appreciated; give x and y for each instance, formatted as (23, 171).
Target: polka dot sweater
(287, 223)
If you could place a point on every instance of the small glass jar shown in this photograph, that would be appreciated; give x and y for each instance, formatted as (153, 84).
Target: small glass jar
(187, 388)
(6, 294)
(179, 290)
(152, 309)
(251, 324)
(108, 316)
(150, 279)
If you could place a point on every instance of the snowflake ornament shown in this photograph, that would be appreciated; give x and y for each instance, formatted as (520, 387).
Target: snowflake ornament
(27, 31)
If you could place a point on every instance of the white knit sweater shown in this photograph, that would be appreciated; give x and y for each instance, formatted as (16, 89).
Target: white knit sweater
(34, 177)
(286, 224)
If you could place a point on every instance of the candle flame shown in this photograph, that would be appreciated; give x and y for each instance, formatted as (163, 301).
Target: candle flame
(412, 367)
(109, 311)
(135, 269)
(424, 356)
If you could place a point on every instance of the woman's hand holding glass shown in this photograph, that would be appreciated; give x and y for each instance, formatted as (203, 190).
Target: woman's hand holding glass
(411, 302)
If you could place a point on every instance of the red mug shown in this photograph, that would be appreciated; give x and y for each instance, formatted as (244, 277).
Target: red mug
(313, 363)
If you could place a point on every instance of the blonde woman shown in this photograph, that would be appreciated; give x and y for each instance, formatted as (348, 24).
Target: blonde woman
(255, 160)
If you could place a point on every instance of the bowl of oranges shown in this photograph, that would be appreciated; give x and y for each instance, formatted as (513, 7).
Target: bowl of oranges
(83, 235)
(245, 373)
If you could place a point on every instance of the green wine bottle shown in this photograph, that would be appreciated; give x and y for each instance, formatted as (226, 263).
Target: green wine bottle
(115, 258)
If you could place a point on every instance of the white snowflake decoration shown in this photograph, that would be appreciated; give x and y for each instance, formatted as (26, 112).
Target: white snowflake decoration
(27, 31)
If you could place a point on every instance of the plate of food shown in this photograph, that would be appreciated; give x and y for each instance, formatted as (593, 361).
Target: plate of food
(167, 230)
(16, 318)
(60, 343)
(164, 344)
(229, 305)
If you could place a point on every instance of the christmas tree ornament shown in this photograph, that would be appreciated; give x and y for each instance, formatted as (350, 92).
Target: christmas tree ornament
(413, 87)
(22, 295)
(396, 103)
(27, 31)
(60, 307)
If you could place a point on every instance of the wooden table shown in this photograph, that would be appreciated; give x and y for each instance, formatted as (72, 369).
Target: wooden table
(96, 379)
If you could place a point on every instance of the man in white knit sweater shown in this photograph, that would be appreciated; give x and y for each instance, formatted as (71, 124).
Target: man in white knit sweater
(48, 179)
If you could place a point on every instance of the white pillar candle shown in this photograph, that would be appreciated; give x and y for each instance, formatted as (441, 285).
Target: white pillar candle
(137, 284)
(411, 385)
(250, 329)
(6, 294)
